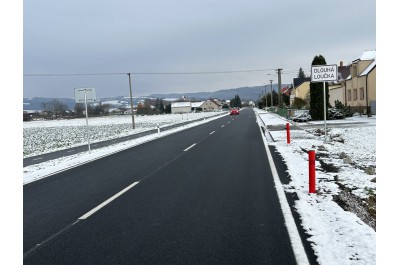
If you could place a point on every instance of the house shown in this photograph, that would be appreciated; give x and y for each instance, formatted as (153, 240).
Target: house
(360, 85)
(286, 90)
(337, 90)
(196, 106)
(211, 105)
(301, 88)
(181, 107)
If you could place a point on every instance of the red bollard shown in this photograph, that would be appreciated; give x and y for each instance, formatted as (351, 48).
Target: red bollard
(311, 171)
(288, 133)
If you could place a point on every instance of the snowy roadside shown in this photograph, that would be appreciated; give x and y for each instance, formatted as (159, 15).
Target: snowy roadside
(338, 236)
(51, 135)
(45, 169)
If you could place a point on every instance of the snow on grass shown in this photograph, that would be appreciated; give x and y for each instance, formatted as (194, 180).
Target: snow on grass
(48, 168)
(337, 236)
(45, 136)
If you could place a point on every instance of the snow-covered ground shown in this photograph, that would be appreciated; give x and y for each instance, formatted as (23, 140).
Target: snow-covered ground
(51, 135)
(337, 236)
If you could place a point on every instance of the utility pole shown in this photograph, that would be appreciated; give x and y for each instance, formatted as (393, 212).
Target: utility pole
(130, 92)
(279, 89)
(272, 100)
(265, 93)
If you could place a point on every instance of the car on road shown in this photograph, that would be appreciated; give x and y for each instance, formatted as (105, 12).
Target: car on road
(234, 111)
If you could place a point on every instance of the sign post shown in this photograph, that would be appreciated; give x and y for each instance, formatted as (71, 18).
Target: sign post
(324, 73)
(85, 95)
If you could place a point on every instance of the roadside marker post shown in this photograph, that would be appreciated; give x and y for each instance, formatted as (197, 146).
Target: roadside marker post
(288, 133)
(311, 172)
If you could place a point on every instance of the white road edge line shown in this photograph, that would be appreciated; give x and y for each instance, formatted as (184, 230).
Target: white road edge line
(189, 147)
(297, 245)
(212, 132)
(86, 215)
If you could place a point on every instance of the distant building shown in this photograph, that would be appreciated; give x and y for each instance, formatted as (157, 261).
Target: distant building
(337, 89)
(181, 107)
(211, 105)
(301, 88)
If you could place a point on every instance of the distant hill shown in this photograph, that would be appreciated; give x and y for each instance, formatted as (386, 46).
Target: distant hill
(36, 103)
(245, 93)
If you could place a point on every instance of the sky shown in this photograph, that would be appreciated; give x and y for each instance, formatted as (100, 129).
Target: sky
(180, 46)
(345, 237)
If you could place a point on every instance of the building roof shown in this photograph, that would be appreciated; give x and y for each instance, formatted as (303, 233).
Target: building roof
(343, 72)
(369, 68)
(180, 104)
(197, 104)
(367, 55)
(298, 81)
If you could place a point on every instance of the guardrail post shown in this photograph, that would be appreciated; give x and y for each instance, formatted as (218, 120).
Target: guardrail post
(311, 171)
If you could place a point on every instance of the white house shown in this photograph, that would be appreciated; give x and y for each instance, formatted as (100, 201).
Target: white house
(181, 107)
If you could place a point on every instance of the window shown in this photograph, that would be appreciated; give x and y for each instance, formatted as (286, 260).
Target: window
(349, 95)
(361, 93)
(355, 94)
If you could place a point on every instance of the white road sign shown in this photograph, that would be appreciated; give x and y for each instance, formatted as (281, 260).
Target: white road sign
(80, 95)
(324, 73)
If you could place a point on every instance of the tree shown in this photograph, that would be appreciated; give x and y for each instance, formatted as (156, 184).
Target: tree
(298, 103)
(345, 109)
(159, 106)
(168, 108)
(317, 93)
(79, 109)
(236, 102)
(54, 107)
(301, 73)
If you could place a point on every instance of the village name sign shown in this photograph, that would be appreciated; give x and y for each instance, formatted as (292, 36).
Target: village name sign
(324, 73)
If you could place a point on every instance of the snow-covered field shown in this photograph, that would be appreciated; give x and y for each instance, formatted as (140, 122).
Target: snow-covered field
(337, 236)
(51, 135)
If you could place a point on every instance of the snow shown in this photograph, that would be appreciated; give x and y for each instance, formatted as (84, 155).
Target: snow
(337, 236)
(44, 136)
(68, 129)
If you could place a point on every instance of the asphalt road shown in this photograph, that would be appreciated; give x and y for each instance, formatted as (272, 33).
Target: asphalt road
(201, 196)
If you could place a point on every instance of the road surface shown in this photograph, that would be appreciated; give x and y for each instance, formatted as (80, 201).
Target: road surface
(201, 196)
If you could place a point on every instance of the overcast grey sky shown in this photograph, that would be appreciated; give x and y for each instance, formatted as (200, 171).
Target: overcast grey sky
(153, 36)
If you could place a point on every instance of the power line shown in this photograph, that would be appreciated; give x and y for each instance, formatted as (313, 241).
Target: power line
(152, 73)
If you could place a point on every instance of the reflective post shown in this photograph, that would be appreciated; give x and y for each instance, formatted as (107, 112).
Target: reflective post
(311, 172)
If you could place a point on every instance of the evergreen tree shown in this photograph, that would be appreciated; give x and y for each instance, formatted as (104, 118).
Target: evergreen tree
(168, 109)
(236, 102)
(317, 93)
(301, 73)
(159, 106)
